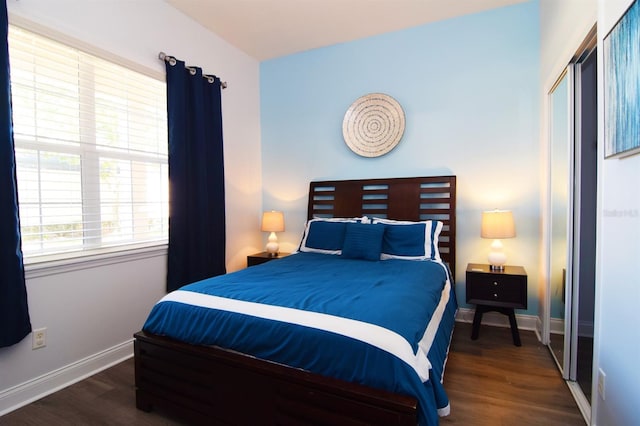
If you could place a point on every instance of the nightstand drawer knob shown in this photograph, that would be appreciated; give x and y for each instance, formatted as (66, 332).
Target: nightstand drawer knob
(495, 295)
(495, 283)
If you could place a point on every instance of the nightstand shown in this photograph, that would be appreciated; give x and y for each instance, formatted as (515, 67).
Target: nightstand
(500, 291)
(263, 257)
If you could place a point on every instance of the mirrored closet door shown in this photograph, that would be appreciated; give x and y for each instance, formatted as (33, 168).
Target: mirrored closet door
(561, 211)
(572, 214)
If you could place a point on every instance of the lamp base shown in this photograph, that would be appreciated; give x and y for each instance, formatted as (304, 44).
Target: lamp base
(497, 258)
(272, 246)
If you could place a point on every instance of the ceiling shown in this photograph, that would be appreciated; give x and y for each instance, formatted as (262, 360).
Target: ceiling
(267, 29)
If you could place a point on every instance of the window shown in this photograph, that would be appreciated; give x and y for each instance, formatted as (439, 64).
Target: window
(91, 149)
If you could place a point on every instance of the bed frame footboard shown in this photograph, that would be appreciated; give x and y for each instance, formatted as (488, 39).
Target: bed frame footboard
(209, 385)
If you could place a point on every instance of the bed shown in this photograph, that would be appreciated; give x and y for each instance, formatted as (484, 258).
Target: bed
(228, 376)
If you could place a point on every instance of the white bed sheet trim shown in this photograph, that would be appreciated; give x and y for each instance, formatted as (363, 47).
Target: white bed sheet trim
(372, 334)
(434, 323)
(444, 411)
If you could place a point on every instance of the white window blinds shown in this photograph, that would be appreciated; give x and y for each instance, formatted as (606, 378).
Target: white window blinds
(91, 149)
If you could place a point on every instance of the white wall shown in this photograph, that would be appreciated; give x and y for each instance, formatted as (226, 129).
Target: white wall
(617, 342)
(92, 313)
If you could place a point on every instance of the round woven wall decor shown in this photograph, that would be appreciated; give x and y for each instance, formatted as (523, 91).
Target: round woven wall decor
(373, 125)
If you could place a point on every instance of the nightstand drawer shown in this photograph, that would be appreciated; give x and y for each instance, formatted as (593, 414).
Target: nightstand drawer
(503, 289)
(497, 289)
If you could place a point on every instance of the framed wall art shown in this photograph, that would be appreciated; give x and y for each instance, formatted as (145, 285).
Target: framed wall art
(622, 85)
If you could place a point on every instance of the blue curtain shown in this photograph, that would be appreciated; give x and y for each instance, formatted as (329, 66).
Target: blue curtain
(14, 314)
(196, 176)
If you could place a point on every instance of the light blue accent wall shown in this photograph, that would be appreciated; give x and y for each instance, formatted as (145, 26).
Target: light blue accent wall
(469, 88)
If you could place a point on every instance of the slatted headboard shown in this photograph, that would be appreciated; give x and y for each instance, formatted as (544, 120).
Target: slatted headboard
(416, 198)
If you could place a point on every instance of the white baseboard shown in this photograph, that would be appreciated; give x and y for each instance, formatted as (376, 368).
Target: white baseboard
(556, 326)
(525, 322)
(585, 328)
(18, 396)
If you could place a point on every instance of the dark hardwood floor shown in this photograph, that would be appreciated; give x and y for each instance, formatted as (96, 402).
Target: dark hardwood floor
(492, 382)
(489, 382)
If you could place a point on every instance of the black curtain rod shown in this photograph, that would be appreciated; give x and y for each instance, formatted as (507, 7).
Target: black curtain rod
(172, 61)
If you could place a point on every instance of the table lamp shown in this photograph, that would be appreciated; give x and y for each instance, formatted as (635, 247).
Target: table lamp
(497, 224)
(272, 222)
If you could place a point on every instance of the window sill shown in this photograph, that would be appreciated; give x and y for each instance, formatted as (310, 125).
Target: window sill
(42, 268)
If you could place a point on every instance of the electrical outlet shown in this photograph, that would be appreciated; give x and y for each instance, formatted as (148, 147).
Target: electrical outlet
(39, 338)
(601, 383)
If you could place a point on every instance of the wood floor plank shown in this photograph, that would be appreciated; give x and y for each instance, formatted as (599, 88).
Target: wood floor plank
(489, 382)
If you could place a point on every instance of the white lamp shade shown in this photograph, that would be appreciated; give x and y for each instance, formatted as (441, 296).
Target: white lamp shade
(498, 224)
(273, 221)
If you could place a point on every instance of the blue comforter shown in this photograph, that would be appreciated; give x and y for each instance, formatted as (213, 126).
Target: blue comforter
(384, 324)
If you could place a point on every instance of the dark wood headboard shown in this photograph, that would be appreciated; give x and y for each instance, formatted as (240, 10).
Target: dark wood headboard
(416, 198)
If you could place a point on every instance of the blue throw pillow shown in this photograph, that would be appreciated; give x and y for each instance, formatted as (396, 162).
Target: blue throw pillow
(323, 237)
(405, 240)
(363, 241)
